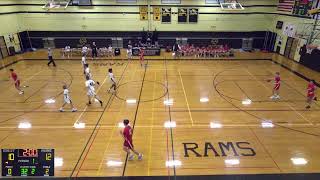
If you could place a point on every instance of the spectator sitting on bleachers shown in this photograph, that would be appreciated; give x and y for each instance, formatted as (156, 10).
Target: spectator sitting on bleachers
(66, 51)
(84, 50)
(103, 51)
(110, 51)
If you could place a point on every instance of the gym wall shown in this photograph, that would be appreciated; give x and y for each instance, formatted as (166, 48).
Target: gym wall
(296, 21)
(102, 16)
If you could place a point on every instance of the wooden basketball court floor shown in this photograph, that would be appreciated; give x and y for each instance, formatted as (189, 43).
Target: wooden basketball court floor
(237, 143)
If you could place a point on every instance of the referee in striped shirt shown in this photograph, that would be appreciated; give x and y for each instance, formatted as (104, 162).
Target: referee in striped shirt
(50, 57)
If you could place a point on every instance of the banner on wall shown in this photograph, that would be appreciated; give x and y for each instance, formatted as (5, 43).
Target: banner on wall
(286, 5)
(193, 15)
(182, 15)
(165, 15)
(301, 7)
(143, 13)
(289, 30)
(156, 13)
(13, 43)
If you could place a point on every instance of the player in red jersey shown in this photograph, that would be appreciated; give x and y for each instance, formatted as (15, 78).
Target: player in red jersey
(311, 93)
(128, 145)
(16, 80)
(276, 87)
(207, 52)
(141, 56)
(197, 52)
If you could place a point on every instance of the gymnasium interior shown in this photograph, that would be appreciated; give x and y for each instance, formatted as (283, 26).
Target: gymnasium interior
(193, 77)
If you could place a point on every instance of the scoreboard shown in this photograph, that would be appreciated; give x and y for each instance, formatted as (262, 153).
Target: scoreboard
(27, 162)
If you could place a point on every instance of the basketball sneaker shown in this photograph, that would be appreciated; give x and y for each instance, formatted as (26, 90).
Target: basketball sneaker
(131, 157)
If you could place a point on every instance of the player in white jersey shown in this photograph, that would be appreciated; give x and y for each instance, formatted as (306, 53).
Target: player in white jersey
(87, 71)
(67, 51)
(112, 81)
(91, 91)
(83, 62)
(129, 51)
(84, 51)
(67, 99)
(110, 52)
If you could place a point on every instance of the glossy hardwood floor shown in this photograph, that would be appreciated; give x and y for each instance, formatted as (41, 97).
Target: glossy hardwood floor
(215, 132)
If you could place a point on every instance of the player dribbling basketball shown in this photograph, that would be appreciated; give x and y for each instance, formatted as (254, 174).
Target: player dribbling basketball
(126, 133)
(16, 81)
(67, 99)
(91, 91)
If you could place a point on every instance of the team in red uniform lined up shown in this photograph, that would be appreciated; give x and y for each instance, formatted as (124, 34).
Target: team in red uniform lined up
(276, 87)
(16, 80)
(128, 145)
(311, 93)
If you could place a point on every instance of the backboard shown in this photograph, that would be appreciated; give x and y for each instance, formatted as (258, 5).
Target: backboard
(231, 6)
(308, 31)
(56, 4)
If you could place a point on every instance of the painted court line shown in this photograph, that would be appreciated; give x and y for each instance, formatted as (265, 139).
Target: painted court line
(185, 96)
(285, 102)
(297, 111)
(86, 107)
(256, 136)
(112, 132)
(97, 126)
(160, 126)
(151, 131)
(136, 113)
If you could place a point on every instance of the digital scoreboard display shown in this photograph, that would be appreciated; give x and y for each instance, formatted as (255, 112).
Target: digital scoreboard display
(27, 162)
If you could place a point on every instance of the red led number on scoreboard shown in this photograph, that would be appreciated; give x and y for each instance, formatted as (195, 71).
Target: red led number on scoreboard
(30, 152)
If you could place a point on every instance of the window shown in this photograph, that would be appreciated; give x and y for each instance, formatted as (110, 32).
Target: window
(231, 6)
(126, 1)
(171, 1)
(212, 1)
(80, 2)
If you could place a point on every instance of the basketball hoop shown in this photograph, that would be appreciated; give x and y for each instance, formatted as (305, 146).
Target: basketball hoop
(314, 11)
